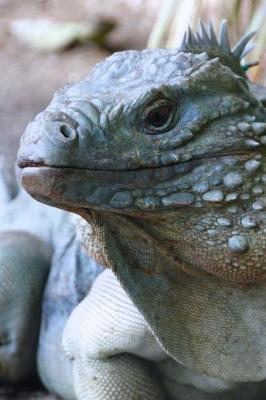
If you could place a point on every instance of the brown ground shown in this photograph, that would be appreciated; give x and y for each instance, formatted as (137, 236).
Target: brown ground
(28, 79)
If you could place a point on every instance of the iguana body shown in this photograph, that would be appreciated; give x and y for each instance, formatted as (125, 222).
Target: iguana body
(162, 152)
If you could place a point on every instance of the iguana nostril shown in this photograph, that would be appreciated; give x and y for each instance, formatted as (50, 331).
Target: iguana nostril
(68, 132)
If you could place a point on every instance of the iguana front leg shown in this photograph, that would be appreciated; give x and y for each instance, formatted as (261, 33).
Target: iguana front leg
(24, 265)
(111, 346)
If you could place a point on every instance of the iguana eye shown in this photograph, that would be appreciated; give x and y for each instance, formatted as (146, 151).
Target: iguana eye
(158, 117)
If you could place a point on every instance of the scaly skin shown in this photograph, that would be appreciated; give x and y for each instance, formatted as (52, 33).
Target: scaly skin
(70, 279)
(24, 265)
(162, 152)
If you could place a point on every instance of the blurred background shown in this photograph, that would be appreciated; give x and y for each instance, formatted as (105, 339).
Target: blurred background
(47, 43)
(31, 68)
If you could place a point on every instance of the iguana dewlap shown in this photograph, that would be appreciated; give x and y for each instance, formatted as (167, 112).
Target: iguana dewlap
(162, 152)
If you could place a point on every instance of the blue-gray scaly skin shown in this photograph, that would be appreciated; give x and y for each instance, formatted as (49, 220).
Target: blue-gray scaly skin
(24, 266)
(163, 152)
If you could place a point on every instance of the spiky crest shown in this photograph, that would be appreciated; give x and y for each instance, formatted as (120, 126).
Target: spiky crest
(206, 40)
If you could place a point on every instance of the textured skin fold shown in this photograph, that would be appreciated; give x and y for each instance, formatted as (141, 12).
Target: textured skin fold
(108, 341)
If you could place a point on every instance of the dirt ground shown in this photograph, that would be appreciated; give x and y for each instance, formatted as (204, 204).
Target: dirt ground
(28, 79)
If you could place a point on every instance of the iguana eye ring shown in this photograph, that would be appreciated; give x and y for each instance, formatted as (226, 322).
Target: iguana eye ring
(158, 117)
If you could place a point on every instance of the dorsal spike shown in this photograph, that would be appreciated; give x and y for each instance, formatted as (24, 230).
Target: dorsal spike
(249, 47)
(190, 37)
(204, 34)
(184, 41)
(212, 36)
(198, 37)
(205, 40)
(223, 37)
(239, 48)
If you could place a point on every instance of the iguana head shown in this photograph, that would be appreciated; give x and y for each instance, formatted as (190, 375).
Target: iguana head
(148, 131)
(155, 132)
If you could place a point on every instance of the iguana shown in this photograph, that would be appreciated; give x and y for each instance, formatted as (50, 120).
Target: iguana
(162, 152)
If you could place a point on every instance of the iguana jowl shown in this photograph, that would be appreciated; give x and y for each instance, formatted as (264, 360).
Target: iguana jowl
(163, 153)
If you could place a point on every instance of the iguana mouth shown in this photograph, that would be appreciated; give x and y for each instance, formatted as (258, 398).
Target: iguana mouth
(134, 191)
(30, 163)
(194, 161)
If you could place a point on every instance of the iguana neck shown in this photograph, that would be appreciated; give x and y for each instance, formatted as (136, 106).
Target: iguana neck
(202, 321)
(225, 242)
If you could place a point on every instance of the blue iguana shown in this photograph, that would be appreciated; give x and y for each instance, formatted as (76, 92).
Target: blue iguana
(162, 153)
